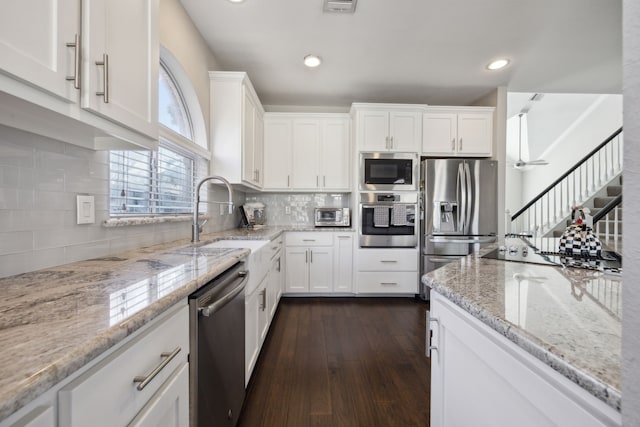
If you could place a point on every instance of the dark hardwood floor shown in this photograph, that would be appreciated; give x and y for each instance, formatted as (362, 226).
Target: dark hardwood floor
(342, 362)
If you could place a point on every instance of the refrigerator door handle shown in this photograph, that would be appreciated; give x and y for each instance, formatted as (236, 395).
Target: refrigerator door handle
(468, 202)
(462, 198)
(489, 239)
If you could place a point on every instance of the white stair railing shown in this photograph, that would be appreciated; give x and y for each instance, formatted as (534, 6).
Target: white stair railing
(573, 188)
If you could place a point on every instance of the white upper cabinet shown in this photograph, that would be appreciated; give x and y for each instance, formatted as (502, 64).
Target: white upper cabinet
(307, 152)
(237, 129)
(39, 42)
(388, 127)
(53, 61)
(120, 60)
(458, 131)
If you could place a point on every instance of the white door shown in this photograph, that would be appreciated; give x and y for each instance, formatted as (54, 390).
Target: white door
(248, 139)
(320, 269)
(33, 43)
(405, 130)
(343, 263)
(120, 60)
(335, 155)
(373, 130)
(277, 154)
(297, 270)
(475, 134)
(439, 132)
(170, 406)
(306, 151)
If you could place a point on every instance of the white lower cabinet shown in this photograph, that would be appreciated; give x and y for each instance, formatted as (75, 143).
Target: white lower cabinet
(387, 271)
(309, 262)
(170, 406)
(480, 378)
(343, 262)
(255, 326)
(118, 388)
(41, 416)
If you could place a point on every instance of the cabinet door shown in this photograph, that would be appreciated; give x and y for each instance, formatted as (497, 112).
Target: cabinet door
(439, 133)
(320, 269)
(405, 130)
(335, 158)
(306, 151)
(297, 270)
(343, 277)
(277, 154)
(475, 134)
(258, 152)
(373, 130)
(251, 332)
(248, 139)
(33, 43)
(170, 406)
(120, 59)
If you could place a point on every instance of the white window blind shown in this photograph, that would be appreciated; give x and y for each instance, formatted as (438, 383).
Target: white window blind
(152, 182)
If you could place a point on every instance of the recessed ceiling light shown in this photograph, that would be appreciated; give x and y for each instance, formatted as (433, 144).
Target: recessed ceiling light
(498, 64)
(312, 61)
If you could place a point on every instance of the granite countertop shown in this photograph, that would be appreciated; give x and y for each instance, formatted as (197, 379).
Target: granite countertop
(54, 321)
(569, 318)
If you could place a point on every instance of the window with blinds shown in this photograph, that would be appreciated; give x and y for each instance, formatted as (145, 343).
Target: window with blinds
(152, 182)
(159, 182)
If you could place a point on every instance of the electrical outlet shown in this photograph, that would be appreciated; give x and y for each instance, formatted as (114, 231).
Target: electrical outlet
(287, 210)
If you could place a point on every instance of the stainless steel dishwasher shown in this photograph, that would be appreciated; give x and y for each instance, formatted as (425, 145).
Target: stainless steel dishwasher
(216, 360)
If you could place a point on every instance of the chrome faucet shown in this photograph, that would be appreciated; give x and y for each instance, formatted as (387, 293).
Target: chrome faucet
(196, 228)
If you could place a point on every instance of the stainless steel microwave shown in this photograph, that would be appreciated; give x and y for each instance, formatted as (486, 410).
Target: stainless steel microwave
(389, 171)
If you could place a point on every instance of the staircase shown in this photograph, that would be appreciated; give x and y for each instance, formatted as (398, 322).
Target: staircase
(595, 181)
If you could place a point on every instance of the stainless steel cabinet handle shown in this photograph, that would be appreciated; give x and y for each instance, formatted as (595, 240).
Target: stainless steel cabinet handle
(306, 256)
(460, 145)
(453, 144)
(288, 181)
(324, 180)
(311, 255)
(317, 180)
(429, 334)
(391, 142)
(389, 283)
(144, 381)
(388, 260)
(76, 62)
(308, 240)
(343, 237)
(263, 305)
(386, 142)
(105, 77)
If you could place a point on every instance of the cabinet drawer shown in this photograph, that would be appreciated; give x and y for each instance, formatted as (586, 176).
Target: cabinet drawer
(106, 394)
(387, 260)
(310, 239)
(388, 283)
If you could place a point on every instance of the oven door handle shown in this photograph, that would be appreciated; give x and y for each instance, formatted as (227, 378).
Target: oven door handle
(216, 306)
(445, 260)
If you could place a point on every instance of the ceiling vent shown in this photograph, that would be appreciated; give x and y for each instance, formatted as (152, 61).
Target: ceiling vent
(340, 6)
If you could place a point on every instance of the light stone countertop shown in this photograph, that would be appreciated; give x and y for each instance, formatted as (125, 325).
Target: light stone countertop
(54, 321)
(568, 318)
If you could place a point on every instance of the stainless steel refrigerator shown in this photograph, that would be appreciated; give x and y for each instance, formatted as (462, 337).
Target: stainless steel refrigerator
(459, 210)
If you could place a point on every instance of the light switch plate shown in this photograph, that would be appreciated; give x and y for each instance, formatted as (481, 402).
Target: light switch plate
(86, 209)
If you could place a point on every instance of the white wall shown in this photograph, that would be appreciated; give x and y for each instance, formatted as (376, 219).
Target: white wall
(40, 178)
(631, 203)
(590, 130)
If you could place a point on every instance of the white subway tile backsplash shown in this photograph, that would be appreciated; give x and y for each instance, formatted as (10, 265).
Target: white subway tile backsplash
(28, 261)
(85, 251)
(15, 241)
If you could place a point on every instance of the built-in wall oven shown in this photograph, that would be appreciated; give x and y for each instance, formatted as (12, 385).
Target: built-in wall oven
(389, 171)
(388, 220)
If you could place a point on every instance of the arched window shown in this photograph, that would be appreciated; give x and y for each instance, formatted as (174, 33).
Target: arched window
(162, 182)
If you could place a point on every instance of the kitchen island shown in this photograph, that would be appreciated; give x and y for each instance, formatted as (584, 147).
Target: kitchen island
(566, 319)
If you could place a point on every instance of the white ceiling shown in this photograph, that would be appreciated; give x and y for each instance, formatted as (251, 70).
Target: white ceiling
(415, 51)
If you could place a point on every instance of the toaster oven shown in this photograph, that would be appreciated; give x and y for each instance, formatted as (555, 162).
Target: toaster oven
(333, 217)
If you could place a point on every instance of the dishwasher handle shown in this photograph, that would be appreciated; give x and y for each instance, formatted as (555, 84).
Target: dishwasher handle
(221, 302)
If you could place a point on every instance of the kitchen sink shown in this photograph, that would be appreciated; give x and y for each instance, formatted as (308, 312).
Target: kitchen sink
(257, 261)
